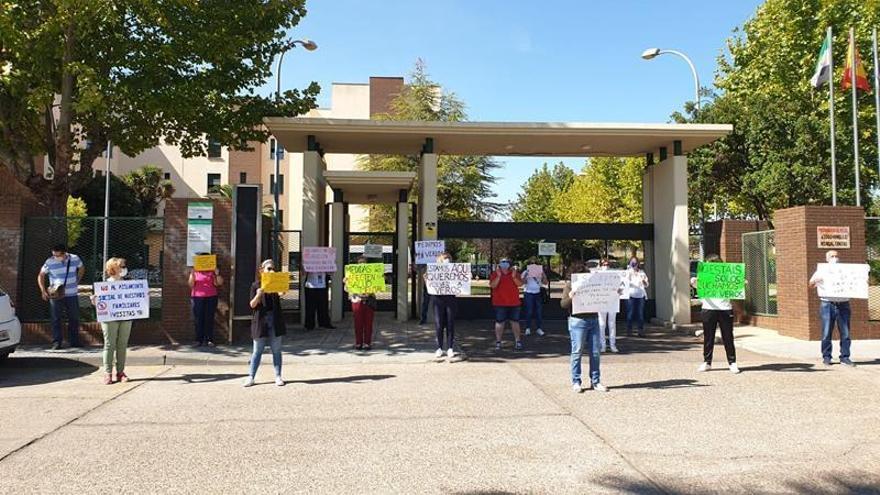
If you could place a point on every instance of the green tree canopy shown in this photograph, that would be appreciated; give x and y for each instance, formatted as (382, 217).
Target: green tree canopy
(149, 187)
(608, 190)
(535, 203)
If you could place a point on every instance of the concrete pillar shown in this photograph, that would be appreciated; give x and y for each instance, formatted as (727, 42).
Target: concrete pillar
(668, 210)
(337, 240)
(314, 197)
(402, 260)
(648, 217)
(427, 214)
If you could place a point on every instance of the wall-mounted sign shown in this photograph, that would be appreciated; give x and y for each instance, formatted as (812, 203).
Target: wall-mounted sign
(832, 237)
(546, 249)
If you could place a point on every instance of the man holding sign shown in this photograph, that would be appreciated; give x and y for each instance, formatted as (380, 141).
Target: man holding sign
(717, 283)
(317, 263)
(584, 296)
(835, 286)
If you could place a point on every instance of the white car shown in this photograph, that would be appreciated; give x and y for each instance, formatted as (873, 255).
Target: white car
(10, 327)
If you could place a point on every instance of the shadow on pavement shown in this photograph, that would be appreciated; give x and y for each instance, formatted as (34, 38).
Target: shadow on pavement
(664, 384)
(193, 378)
(18, 372)
(345, 379)
(785, 367)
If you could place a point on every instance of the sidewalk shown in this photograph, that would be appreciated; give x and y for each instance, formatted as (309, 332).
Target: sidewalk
(771, 343)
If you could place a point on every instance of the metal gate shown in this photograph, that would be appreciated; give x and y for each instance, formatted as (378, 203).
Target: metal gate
(759, 256)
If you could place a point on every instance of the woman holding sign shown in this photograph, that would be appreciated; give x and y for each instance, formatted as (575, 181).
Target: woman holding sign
(204, 285)
(363, 307)
(445, 308)
(716, 313)
(582, 327)
(534, 279)
(637, 280)
(116, 333)
(267, 326)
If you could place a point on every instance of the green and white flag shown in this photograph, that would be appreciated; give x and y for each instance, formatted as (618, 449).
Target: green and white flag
(823, 65)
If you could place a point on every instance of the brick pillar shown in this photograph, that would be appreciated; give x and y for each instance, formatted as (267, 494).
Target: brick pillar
(797, 254)
(17, 203)
(724, 238)
(177, 321)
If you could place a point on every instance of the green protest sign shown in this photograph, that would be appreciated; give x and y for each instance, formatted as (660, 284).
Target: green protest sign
(365, 278)
(721, 280)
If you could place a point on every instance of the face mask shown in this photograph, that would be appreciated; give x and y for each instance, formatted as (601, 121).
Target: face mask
(123, 272)
(444, 260)
(504, 265)
(633, 264)
(834, 260)
(59, 258)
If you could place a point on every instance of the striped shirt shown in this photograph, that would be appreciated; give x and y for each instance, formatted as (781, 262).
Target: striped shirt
(57, 272)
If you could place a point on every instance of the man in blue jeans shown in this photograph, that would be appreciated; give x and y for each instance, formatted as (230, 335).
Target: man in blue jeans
(833, 309)
(63, 271)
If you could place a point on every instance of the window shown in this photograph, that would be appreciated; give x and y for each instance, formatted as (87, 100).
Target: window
(167, 176)
(272, 184)
(213, 183)
(242, 177)
(213, 148)
(272, 144)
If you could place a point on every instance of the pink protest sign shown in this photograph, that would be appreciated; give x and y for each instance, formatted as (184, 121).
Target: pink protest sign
(319, 259)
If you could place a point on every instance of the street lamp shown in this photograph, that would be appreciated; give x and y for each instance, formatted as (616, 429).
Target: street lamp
(654, 52)
(309, 45)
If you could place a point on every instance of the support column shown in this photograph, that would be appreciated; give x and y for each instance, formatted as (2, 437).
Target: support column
(402, 258)
(314, 197)
(427, 213)
(337, 239)
(648, 217)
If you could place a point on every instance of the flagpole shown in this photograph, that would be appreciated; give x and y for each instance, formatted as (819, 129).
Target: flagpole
(831, 116)
(877, 97)
(855, 89)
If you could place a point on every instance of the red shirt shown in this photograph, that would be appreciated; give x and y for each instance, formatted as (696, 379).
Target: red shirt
(506, 293)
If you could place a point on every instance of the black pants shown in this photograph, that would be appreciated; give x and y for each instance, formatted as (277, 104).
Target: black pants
(713, 318)
(426, 300)
(444, 317)
(316, 304)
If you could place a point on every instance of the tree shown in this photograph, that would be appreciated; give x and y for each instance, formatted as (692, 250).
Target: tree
(77, 73)
(124, 202)
(535, 202)
(464, 183)
(609, 190)
(149, 187)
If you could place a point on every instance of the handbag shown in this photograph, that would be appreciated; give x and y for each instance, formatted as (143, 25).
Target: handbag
(58, 292)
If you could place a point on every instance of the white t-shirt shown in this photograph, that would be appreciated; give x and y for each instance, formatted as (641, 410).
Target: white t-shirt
(637, 280)
(316, 280)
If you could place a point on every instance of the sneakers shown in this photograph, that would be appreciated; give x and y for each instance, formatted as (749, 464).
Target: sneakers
(367, 347)
(826, 362)
(121, 377)
(249, 381)
(211, 343)
(55, 346)
(540, 333)
(847, 362)
(604, 349)
(576, 388)
(438, 353)
(598, 387)
(358, 347)
(497, 345)
(108, 379)
(279, 381)
(614, 349)
(528, 331)
(704, 367)
(734, 368)
(449, 353)
(518, 346)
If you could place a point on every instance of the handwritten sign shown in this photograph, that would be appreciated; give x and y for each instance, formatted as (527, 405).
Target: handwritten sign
(535, 271)
(427, 251)
(372, 251)
(721, 280)
(319, 259)
(849, 280)
(448, 279)
(624, 282)
(122, 300)
(205, 262)
(277, 282)
(546, 249)
(365, 278)
(595, 292)
(832, 237)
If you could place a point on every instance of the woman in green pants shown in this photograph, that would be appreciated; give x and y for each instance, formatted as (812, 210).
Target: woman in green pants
(116, 333)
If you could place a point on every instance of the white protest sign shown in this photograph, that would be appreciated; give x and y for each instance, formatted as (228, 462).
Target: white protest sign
(372, 250)
(595, 292)
(624, 294)
(318, 259)
(546, 249)
(122, 300)
(848, 280)
(427, 251)
(448, 279)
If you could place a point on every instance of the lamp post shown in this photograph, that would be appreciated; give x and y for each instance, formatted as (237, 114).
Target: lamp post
(309, 45)
(654, 52)
(107, 203)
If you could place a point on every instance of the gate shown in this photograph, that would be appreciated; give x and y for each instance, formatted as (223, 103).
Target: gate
(354, 249)
(290, 247)
(759, 256)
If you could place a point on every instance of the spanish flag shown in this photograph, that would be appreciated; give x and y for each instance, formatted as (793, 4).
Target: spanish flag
(861, 75)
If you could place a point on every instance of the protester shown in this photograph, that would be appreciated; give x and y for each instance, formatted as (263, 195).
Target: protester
(637, 282)
(607, 320)
(316, 301)
(581, 327)
(445, 308)
(363, 307)
(716, 313)
(505, 284)
(532, 298)
(116, 333)
(64, 271)
(204, 285)
(267, 326)
(426, 301)
(831, 310)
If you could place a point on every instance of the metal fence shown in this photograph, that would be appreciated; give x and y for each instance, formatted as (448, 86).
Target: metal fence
(759, 256)
(139, 240)
(872, 244)
(290, 246)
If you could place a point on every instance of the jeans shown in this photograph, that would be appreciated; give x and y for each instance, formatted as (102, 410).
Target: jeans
(713, 318)
(70, 305)
(534, 309)
(203, 315)
(831, 312)
(635, 310)
(581, 330)
(611, 318)
(275, 343)
(444, 317)
(116, 334)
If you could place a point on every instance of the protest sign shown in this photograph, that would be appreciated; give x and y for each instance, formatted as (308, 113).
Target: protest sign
(122, 300)
(849, 280)
(319, 259)
(448, 279)
(365, 278)
(427, 251)
(624, 293)
(595, 292)
(275, 282)
(205, 262)
(721, 280)
(372, 251)
(535, 271)
(546, 249)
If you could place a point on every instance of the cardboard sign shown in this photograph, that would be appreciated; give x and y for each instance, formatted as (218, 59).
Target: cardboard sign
(122, 300)
(365, 278)
(624, 293)
(448, 279)
(205, 262)
(319, 259)
(277, 282)
(832, 237)
(372, 250)
(427, 251)
(849, 280)
(595, 292)
(721, 280)
(546, 249)
(535, 271)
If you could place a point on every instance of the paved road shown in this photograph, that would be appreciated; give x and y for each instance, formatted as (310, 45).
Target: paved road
(495, 423)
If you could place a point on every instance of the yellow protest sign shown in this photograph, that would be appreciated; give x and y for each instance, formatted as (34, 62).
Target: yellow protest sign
(205, 262)
(278, 282)
(365, 278)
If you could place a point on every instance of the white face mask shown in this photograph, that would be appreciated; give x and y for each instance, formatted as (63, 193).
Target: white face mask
(444, 260)
(834, 259)
(123, 272)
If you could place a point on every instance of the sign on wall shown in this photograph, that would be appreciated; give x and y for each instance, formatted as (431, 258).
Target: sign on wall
(448, 279)
(546, 249)
(122, 300)
(372, 250)
(849, 280)
(365, 278)
(319, 259)
(832, 237)
(721, 280)
(199, 220)
(595, 292)
(427, 251)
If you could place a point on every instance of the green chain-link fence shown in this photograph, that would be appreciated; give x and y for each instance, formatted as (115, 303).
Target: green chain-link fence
(759, 256)
(872, 245)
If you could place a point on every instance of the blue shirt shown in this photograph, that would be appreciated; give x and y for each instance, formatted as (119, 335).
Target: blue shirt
(56, 270)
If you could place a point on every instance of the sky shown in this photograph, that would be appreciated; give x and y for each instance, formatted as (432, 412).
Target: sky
(518, 61)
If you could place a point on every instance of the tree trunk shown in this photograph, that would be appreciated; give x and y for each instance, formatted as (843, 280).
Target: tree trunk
(59, 189)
